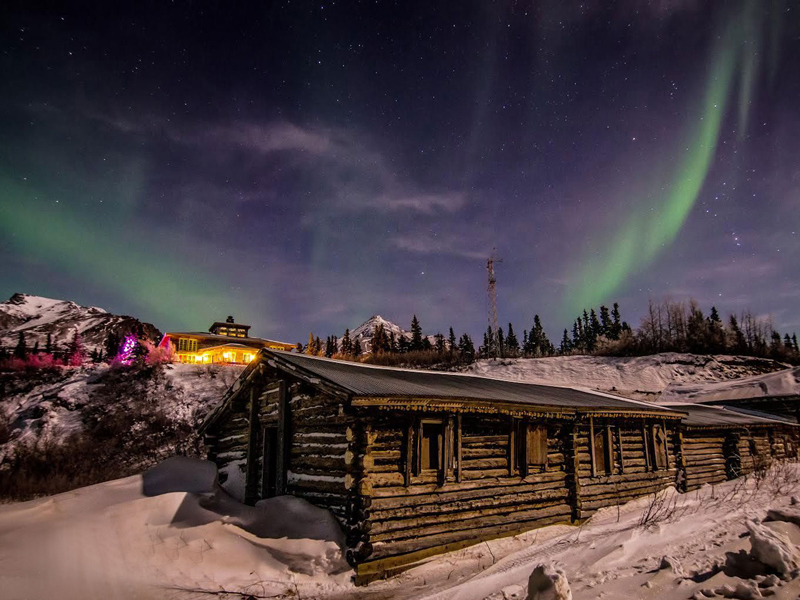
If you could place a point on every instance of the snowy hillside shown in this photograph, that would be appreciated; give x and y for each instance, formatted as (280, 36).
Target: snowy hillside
(638, 377)
(125, 417)
(37, 317)
(364, 331)
(172, 533)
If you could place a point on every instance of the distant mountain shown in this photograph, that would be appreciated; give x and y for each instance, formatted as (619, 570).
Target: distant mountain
(364, 331)
(37, 317)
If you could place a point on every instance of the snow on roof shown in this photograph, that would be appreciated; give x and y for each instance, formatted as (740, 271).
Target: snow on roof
(378, 381)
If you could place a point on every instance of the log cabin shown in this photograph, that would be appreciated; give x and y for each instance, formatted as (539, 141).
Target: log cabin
(414, 463)
(719, 443)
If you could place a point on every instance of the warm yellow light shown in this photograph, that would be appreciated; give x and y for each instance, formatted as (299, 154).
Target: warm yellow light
(226, 355)
(248, 357)
(198, 358)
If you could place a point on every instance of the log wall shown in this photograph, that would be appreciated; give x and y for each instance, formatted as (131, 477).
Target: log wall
(487, 500)
(705, 458)
(633, 469)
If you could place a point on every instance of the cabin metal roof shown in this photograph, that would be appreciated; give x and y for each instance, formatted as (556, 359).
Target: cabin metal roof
(377, 381)
(702, 415)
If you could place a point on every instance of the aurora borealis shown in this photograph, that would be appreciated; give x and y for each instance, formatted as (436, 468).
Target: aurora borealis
(304, 166)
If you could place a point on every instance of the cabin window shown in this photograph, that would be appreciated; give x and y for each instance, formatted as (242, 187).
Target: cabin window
(432, 450)
(429, 445)
(659, 445)
(602, 451)
(187, 345)
(530, 448)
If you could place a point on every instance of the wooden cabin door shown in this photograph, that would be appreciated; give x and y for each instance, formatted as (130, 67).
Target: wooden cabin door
(269, 463)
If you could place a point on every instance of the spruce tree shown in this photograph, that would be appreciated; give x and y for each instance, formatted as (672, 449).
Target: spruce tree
(329, 349)
(596, 328)
(112, 344)
(347, 343)
(605, 322)
(566, 346)
(616, 325)
(310, 347)
(416, 334)
(357, 347)
(501, 343)
(49, 344)
(452, 344)
(466, 349)
(576, 336)
(489, 343)
(794, 341)
(512, 343)
(439, 343)
(716, 332)
(21, 351)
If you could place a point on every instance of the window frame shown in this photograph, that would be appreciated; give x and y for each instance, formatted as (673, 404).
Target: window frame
(521, 446)
(449, 444)
(603, 430)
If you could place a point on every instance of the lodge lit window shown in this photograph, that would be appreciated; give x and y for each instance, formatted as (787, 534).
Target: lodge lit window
(530, 448)
(187, 345)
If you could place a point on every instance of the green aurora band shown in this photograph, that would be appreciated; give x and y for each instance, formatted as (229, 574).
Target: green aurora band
(651, 228)
(140, 270)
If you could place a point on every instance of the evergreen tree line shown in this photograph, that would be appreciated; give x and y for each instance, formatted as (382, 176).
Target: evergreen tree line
(668, 326)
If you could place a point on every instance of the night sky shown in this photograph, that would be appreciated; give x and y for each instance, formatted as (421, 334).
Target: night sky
(303, 166)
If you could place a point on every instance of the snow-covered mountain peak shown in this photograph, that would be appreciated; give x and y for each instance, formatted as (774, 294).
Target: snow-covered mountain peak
(366, 329)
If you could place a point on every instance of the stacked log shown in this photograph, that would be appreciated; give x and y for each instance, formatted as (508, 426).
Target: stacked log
(705, 460)
(487, 502)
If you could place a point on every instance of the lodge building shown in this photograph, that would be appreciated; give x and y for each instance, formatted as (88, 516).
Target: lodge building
(413, 462)
(225, 343)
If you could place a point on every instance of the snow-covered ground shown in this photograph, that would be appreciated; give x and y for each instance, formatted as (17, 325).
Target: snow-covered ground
(171, 533)
(638, 377)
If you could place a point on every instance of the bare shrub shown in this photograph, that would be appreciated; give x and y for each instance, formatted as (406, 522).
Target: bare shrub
(662, 507)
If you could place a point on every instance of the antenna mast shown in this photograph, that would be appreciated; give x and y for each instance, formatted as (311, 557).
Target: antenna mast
(493, 299)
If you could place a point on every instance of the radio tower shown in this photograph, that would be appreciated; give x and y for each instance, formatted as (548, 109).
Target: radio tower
(493, 299)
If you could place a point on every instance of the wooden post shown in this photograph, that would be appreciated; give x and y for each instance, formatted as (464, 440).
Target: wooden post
(512, 448)
(681, 466)
(609, 450)
(666, 443)
(284, 440)
(573, 466)
(253, 430)
(591, 446)
(621, 450)
(458, 447)
(409, 453)
(648, 462)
